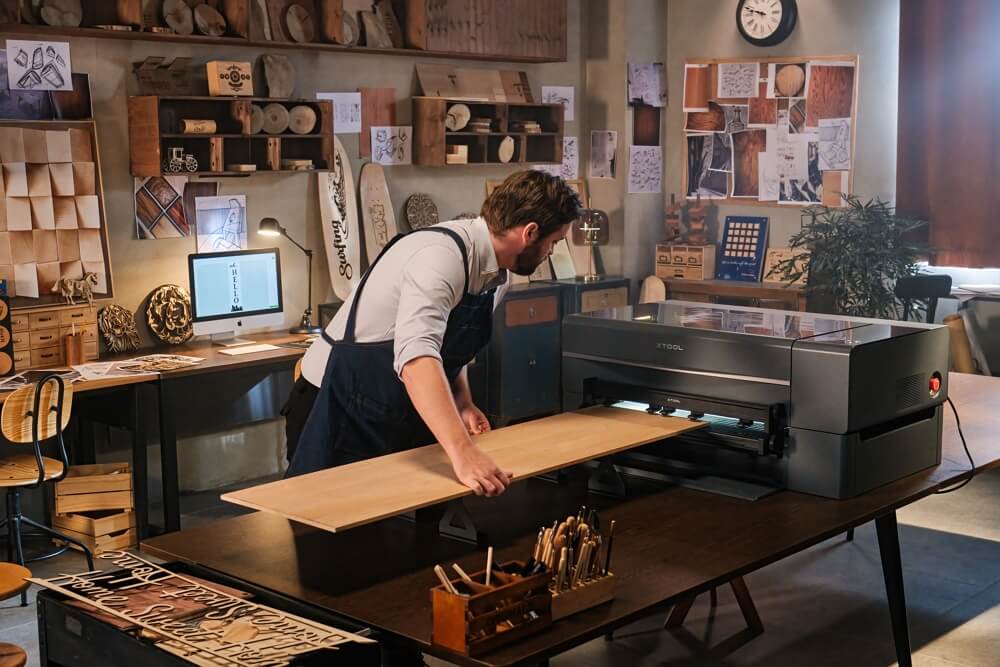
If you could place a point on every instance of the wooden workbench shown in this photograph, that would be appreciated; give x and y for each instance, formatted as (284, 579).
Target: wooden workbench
(673, 543)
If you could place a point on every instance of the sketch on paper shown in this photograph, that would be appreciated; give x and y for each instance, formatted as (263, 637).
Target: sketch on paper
(221, 223)
(392, 144)
(564, 95)
(702, 180)
(722, 154)
(736, 117)
(835, 144)
(346, 111)
(810, 189)
(570, 168)
(738, 79)
(39, 65)
(647, 84)
(645, 169)
(603, 152)
(767, 181)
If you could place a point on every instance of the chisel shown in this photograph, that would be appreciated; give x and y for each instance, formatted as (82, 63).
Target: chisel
(611, 542)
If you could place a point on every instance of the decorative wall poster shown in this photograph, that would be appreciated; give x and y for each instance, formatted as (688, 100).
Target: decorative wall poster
(36, 65)
(696, 88)
(222, 223)
(392, 144)
(603, 153)
(570, 168)
(831, 91)
(744, 244)
(737, 79)
(159, 208)
(747, 147)
(346, 111)
(645, 125)
(787, 79)
(762, 111)
(564, 95)
(834, 144)
(713, 119)
(702, 181)
(808, 190)
(647, 84)
(645, 169)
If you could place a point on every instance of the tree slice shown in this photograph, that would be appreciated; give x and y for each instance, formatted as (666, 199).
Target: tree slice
(458, 117)
(256, 119)
(64, 13)
(421, 211)
(279, 73)
(383, 10)
(299, 23)
(209, 21)
(178, 16)
(506, 150)
(375, 35)
(302, 119)
(275, 118)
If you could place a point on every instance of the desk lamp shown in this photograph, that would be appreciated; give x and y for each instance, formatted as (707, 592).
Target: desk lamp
(592, 230)
(271, 227)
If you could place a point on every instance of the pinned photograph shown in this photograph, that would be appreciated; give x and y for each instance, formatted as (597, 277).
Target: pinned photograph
(645, 170)
(392, 144)
(737, 79)
(221, 223)
(564, 95)
(696, 88)
(35, 65)
(647, 84)
(787, 79)
(346, 111)
(603, 153)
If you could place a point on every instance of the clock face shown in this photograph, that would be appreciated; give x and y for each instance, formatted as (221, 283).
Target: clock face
(761, 18)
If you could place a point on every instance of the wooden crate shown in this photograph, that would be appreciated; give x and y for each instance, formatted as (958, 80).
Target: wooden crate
(88, 488)
(101, 531)
(690, 262)
(584, 595)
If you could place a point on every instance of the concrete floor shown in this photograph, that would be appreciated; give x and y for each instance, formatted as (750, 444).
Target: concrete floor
(823, 607)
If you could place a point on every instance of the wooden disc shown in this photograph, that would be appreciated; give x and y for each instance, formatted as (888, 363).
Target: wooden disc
(299, 23)
(178, 16)
(302, 119)
(4, 308)
(209, 21)
(6, 363)
(350, 30)
(458, 117)
(275, 118)
(789, 80)
(256, 119)
(421, 211)
(4, 337)
(12, 655)
(62, 13)
(506, 150)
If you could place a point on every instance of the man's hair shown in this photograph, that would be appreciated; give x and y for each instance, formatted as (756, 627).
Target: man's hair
(531, 196)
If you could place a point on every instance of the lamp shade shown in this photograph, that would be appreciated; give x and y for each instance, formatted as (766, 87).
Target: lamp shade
(270, 227)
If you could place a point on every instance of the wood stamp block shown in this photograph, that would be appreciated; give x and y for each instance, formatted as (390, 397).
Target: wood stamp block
(88, 212)
(68, 242)
(26, 280)
(18, 214)
(39, 182)
(90, 246)
(15, 179)
(84, 178)
(57, 143)
(5, 257)
(46, 246)
(81, 148)
(48, 276)
(62, 179)
(36, 148)
(65, 212)
(42, 213)
(11, 144)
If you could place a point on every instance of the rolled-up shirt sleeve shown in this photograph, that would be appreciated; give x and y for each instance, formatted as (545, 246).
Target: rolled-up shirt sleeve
(430, 287)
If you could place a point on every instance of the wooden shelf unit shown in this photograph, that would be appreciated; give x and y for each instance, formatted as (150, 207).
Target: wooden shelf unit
(539, 44)
(155, 122)
(431, 139)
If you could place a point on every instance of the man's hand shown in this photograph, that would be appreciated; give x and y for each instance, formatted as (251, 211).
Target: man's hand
(474, 419)
(475, 469)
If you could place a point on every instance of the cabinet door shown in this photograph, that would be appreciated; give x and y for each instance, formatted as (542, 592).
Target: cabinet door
(530, 372)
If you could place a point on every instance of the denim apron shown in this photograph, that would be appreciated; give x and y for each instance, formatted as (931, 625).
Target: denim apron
(362, 409)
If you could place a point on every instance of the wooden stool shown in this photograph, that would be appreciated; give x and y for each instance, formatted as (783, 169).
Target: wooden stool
(743, 598)
(13, 582)
(12, 656)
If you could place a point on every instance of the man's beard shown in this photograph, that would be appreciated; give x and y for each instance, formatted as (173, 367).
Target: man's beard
(529, 259)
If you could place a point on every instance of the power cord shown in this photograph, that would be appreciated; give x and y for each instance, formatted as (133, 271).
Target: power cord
(972, 464)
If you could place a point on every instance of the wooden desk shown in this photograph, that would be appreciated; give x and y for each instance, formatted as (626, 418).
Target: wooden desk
(794, 297)
(670, 544)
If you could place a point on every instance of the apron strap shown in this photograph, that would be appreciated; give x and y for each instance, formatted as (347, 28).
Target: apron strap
(349, 327)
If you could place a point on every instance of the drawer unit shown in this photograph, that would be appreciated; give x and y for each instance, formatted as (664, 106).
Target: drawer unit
(580, 296)
(45, 319)
(38, 335)
(77, 316)
(686, 262)
(522, 312)
(44, 338)
(602, 299)
(22, 340)
(47, 356)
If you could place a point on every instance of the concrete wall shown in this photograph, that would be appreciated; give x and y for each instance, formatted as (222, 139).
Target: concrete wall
(869, 28)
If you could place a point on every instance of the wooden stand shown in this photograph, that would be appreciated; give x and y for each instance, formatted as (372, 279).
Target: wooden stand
(487, 618)
(583, 596)
(743, 598)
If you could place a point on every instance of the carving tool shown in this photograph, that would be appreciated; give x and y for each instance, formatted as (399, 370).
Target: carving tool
(439, 571)
(462, 575)
(559, 545)
(580, 565)
(563, 565)
(611, 541)
(538, 544)
(489, 564)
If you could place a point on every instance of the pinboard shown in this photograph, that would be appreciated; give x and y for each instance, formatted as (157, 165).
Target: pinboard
(376, 210)
(339, 212)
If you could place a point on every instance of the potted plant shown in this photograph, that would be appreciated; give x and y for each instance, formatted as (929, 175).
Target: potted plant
(853, 255)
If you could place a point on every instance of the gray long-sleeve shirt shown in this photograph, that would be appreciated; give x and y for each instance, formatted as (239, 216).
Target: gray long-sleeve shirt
(411, 293)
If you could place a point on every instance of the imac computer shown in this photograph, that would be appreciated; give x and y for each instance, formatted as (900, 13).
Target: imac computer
(235, 291)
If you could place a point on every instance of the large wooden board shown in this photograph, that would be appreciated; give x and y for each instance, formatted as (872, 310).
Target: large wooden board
(367, 491)
(339, 213)
(378, 108)
(376, 210)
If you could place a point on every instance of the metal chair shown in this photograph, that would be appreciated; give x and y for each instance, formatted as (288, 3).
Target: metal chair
(31, 415)
(927, 288)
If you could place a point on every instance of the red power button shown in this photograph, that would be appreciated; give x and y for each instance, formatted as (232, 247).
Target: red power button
(935, 385)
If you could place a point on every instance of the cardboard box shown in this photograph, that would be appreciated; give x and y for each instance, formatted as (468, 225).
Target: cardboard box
(228, 78)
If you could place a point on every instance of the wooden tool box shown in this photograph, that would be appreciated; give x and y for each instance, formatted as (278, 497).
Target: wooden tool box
(38, 335)
(690, 262)
(94, 505)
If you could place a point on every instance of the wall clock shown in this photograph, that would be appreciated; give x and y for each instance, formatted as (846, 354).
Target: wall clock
(766, 22)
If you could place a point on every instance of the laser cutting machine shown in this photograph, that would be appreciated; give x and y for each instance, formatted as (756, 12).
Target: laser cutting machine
(831, 406)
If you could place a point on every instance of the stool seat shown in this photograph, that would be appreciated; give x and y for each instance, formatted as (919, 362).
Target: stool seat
(12, 655)
(22, 470)
(12, 582)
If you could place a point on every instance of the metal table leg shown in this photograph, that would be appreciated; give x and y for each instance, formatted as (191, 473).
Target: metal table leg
(140, 462)
(892, 571)
(168, 457)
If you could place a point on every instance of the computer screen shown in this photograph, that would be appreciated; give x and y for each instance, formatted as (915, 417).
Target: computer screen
(235, 284)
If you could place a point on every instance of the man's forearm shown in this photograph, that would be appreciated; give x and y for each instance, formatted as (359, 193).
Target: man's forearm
(461, 389)
(428, 388)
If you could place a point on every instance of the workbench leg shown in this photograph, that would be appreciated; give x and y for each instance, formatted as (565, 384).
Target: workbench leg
(747, 606)
(892, 571)
(713, 597)
(168, 458)
(679, 613)
(140, 462)
(850, 534)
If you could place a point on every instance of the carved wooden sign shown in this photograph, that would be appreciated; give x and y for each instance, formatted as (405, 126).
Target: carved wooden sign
(222, 629)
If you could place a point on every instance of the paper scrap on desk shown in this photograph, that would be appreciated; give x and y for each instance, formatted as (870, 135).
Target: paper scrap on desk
(569, 170)
(738, 80)
(392, 144)
(155, 363)
(346, 111)
(34, 65)
(564, 95)
(645, 169)
(31, 377)
(834, 144)
(104, 370)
